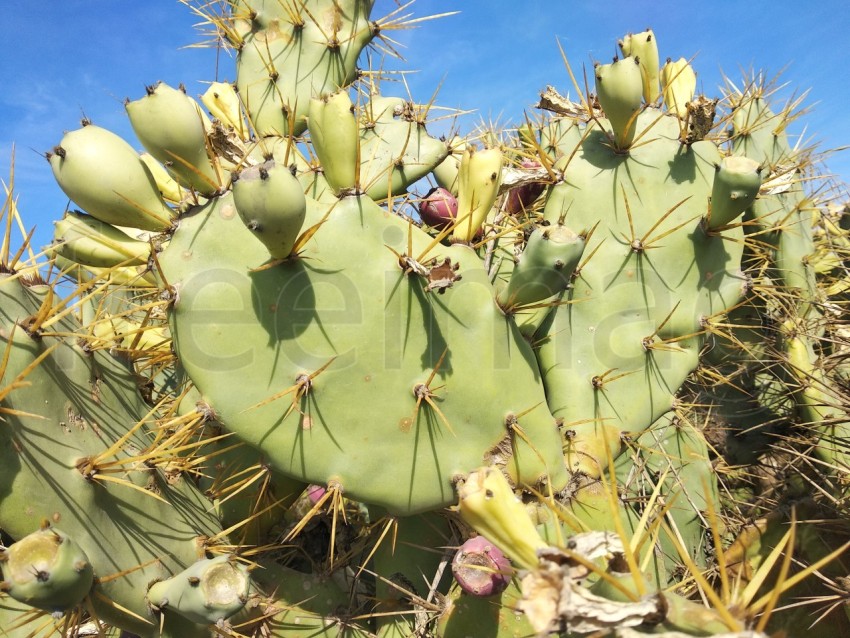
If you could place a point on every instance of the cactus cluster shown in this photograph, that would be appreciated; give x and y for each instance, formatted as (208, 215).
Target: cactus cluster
(589, 383)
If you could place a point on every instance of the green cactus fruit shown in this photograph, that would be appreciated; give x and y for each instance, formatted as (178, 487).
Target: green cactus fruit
(544, 268)
(47, 570)
(488, 504)
(168, 186)
(736, 184)
(106, 178)
(271, 203)
(85, 240)
(644, 47)
(479, 176)
(619, 87)
(206, 592)
(172, 127)
(678, 85)
(222, 100)
(333, 131)
(446, 172)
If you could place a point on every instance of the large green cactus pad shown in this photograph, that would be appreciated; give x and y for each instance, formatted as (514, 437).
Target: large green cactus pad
(343, 336)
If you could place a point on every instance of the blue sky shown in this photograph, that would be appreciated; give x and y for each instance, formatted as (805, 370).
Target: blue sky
(65, 59)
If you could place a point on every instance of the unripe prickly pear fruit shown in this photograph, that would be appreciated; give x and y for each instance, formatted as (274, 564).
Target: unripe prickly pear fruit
(545, 266)
(480, 568)
(438, 208)
(106, 178)
(479, 177)
(47, 570)
(271, 203)
(88, 241)
(736, 183)
(207, 591)
(172, 127)
(333, 131)
(489, 505)
(678, 84)
(222, 100)
(644, 48)
(168, 186)
(619, 87)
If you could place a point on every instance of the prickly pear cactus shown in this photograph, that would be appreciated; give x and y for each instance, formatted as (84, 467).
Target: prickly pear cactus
(287, 388)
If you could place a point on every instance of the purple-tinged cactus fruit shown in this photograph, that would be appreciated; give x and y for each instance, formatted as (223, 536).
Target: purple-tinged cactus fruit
(522, 197)
(480, 568)
(315, 493)
(47, 570)
(104, 175)
(438, 208)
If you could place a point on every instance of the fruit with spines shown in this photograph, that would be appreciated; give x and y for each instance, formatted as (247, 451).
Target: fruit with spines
(104, 175)
(438, 208)
(736, 184)
(678, 85)
(644, 47)
(173, 128)
(479, 176)
(90, 242)
(222, 100)
(271, 203)
(481, 568)
(333, 132)
(488, 504)
(544, 268)
(619, 88)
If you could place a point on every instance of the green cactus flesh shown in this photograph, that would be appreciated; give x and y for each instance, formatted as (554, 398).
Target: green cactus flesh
(358, 388)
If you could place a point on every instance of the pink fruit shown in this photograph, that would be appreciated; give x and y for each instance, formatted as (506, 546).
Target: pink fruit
(480, 568)
(438, 208)
(315, 493)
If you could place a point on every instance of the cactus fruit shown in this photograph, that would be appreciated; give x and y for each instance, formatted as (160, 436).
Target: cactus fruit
(438, 208)
(260, 410)
(104, 175)
(480, 568)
